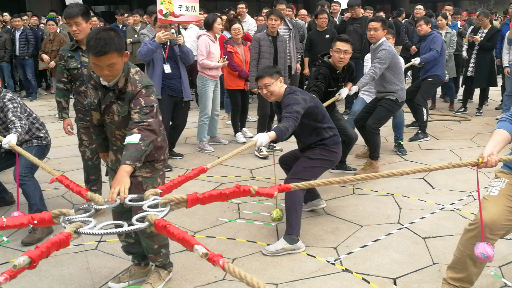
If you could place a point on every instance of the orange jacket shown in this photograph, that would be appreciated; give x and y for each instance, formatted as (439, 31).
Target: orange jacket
(237, 72)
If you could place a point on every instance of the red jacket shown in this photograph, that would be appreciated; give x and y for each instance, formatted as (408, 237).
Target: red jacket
(237, 71)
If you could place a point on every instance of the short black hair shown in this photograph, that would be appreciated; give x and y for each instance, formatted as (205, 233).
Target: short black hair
(457, 12)
(323, 3)
(23, 15)
(52, 11)
(232, 21)
(210, 20)
(448, 4)
(15, 16)
(54, 20)
(368, 8)
(391, 33)
(336, 2)
(77, 10)
(398, 13)
(443, 15)
(152, 10)
(341, 38)
(425, 20)
(242, 3)
(290, 6)
(138, 12)
(30, 11)
(105, 40)
(128, 14)
(280, 2)
(379, 19)
(321, 12)
(380, 11)
(269, 71)
(276, 13)
(430, 14)
(119, 12)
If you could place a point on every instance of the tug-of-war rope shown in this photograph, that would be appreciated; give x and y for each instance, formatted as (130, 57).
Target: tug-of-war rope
(31, 258)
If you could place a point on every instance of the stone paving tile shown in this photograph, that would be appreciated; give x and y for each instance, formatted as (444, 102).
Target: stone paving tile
(369, 209)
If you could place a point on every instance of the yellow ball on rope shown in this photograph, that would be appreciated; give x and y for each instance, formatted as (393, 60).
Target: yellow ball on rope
(276, 215)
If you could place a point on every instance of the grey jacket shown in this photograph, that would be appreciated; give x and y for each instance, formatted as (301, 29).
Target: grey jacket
(147, 34)
(134, 46)
(450, 44)
(262, 54)
(386, 72)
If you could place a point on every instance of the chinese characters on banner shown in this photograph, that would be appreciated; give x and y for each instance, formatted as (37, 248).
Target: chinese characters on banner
(178, 11)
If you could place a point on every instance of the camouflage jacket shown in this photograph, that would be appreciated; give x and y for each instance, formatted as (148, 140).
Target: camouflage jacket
(126, 120)
(71, 77)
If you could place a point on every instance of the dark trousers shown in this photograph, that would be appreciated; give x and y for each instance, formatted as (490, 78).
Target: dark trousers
(347, 134)
(91, 161)
(294, 77)
(300, 167)
(141, 66)
(174, 116)
(459, 67)
(373, 116)
(469, 91)
(415, 69)
(349, 100)
(417, 96)
(28, 183)
(192, 77)
(266, 115)
(27, 74)
(239, 108)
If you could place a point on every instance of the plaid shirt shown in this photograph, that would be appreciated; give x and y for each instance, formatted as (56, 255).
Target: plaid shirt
(17, 118)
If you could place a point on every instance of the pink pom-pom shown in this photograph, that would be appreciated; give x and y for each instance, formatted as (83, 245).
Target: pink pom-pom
(17, 213)
(484, 252)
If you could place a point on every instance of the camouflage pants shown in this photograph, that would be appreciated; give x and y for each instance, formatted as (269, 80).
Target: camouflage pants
(143, 246)
(90, 159)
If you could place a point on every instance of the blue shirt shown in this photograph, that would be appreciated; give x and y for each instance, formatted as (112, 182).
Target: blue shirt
(18, 32)
(171, 82)
(505, 123)
(432, 55)
(121, 29)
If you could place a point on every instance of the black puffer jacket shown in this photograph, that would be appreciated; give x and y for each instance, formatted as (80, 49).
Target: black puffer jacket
(410, 38)
(5, 47)
(27, 43)
(326, 81)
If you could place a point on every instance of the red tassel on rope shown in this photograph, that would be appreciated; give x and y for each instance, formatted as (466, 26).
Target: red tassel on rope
(43, 219)
(218, 195)
(10, 275)
(174, 184)
(71, 185)
(45, 249)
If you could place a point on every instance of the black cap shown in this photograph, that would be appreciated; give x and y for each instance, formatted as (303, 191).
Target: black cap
(354, 3)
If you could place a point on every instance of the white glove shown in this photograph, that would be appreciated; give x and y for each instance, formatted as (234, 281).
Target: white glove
(416, 61)
(342, 94)
(262, 139)
(10, 138)
(464, 55)
(353, 90)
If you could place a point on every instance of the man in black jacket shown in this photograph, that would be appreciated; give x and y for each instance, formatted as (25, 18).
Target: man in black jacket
(411, 42)
(398, 17)
(24, 48)
(334, 72)
(355, 27)
(459, 61)
(5, 60)
(327, 7)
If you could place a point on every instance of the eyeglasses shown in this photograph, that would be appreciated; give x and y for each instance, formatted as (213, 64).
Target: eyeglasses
(340, 52)
(236, 30)
(418, 9)
(261, 89)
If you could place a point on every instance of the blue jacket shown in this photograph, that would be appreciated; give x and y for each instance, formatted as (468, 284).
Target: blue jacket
(121, 29)
(432, 55)
(505, 27)
(505, 123)
(151, 53)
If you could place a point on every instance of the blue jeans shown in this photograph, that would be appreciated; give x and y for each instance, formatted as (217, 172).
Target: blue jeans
(5, 76)
(448, 88)
(397, 124)
(28, 183)
(507, 97)
(224, 99)
(209, 107)
(27, 73)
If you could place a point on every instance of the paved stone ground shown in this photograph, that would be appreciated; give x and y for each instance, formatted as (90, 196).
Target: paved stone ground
(415, 256)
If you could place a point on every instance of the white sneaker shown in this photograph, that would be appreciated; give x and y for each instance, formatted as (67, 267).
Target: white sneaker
(499, 116)
(205, 147)
(261, 153)
(240, 138)
(314, 205)
(251, 119)
(246, 133)
(228, 122)
(282, 247)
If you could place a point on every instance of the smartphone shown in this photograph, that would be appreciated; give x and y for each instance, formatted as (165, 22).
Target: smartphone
(225, 58)
(173, 34)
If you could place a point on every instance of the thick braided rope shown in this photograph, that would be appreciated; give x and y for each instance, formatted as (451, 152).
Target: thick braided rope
(176, 201)
(239, 274)
(72, 228)
(56, 214)
(231, 154)
(330, 101)
(388, 174)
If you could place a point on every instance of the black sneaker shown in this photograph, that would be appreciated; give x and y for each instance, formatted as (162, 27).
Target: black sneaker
(461, 110)
(419, 137)
(479, 111)
(346, 112)
(499, 107)
(399, 148)
(342, 168)
(413, 125)
(9, 201)
(167, 167)
(175, 155)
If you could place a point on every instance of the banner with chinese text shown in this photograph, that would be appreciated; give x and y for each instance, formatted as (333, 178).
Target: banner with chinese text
(178, 11)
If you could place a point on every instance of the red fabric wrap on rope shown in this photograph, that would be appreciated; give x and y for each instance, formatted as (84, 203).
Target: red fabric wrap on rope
(170, 186)
(218, 195)
(44, 250)
(71, 185)
(174, 233)
(271, 191)
(10, 275)
(43, 219)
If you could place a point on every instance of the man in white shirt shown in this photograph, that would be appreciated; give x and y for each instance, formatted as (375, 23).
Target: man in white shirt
(248, 23)
(190, 33)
